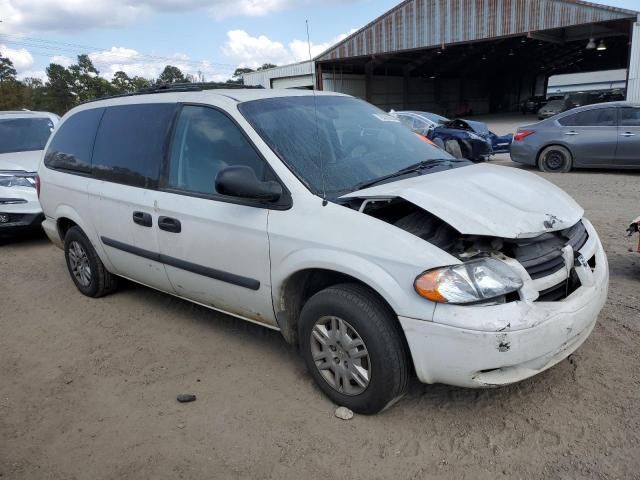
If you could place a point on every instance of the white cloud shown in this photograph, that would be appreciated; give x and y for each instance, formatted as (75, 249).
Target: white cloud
(251, 8)
(62, 15)
(300, 48)
(253, 52)
(61, 60)
(20, 57)
(133, 63)
(41, 74)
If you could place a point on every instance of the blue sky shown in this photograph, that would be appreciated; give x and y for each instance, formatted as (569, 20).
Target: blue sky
(211, 36)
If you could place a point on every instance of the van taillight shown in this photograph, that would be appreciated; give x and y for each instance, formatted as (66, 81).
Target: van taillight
(520, 136)
(38, 185)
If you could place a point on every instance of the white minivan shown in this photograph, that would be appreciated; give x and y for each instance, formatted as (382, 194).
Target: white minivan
(319, 215)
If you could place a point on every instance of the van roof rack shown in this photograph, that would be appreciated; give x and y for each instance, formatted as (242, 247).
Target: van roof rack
(180, 87)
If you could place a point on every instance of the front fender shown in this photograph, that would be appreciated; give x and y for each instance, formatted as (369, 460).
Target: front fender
(397, 290)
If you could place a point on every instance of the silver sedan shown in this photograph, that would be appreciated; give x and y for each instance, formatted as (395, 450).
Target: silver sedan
(605, 135)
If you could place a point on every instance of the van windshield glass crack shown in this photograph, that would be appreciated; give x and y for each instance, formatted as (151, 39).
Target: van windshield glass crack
(346, 140)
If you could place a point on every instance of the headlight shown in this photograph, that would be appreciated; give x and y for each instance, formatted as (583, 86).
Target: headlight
(475, 136)
(17, 181)
(470, 282)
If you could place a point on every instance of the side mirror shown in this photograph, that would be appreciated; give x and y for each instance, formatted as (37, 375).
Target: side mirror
(241, 181)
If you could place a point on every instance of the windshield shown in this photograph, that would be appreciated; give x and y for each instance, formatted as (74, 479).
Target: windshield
(24, 134)
(554, 104)
(342, 143)
(433, 117)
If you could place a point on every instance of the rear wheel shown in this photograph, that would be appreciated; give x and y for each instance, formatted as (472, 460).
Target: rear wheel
(555, 159)
(352, 346)
(85, 267)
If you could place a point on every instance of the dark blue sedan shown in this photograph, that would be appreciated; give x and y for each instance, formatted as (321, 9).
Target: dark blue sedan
(462, 138)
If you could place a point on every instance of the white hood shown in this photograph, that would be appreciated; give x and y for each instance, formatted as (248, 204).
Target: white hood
(486, 200)
(22, 161)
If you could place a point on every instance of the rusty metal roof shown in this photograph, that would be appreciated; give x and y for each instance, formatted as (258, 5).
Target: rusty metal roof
(415, 24)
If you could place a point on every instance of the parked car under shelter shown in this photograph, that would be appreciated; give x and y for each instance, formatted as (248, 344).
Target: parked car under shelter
(604, 135)
(462, 138)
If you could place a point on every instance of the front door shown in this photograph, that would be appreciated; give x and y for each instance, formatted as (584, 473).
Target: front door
(592, 136)
(215, 248)
(629, 137)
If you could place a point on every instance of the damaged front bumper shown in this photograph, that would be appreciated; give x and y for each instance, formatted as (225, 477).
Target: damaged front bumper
(482, 346)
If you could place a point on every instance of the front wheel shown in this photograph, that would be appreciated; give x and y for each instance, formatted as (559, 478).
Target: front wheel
(453, 148)
(555, 159)
(353, 348)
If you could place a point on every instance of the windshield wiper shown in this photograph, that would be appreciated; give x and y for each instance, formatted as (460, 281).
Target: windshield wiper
(417, 167)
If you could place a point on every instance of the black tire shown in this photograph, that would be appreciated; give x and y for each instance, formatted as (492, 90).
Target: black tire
(555, 159)
(371, 319)
(100, 281)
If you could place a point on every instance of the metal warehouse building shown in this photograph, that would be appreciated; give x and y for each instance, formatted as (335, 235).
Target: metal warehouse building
(479, 55)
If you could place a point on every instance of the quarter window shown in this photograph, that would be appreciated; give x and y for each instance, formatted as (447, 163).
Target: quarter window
(131, 142)
(599, 117)
(71, 146)
(630, 117)
(205, 142)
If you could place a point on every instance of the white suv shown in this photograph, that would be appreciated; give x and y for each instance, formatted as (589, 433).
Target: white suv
(23, 135)
(323, 217)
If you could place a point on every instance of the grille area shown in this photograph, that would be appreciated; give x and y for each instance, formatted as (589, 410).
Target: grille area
(562, 290)
(542, 256)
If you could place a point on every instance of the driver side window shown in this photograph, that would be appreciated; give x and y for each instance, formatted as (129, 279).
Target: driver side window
(206, 141)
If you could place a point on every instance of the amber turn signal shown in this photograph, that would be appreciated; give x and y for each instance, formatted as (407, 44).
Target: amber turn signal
(427, 286)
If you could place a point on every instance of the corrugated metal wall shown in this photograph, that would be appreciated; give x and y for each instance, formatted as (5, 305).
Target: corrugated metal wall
(387, 92)
(429, 23)
(264, 77)
(633, 87)
(349, 84)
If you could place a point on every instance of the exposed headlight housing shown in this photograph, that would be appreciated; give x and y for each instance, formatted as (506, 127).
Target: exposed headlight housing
(474, 136)
(471, 282)
(9, 180)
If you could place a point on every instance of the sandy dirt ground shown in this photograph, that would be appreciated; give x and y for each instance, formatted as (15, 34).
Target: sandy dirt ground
(88, 387)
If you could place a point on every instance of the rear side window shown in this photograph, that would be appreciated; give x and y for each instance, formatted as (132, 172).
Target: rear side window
(72, 144)
(131, 142)
(630, 117)
(599, 117)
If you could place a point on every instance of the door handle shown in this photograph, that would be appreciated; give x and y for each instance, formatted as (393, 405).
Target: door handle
(142, 218)
(169, 224)
(571, 133)
(627, 134)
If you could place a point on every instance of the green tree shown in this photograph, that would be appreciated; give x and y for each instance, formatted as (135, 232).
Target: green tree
(7, 72)
(59, 95)
(138, 83)
(121, 82)
(33, 93)
(266, 66)
(171, 74)
(86, 80)
(236, 78)
(240, 71)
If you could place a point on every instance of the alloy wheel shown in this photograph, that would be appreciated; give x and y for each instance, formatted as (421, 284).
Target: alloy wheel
(79, 263)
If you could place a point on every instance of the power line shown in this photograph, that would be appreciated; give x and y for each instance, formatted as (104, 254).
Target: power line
(72, 48)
